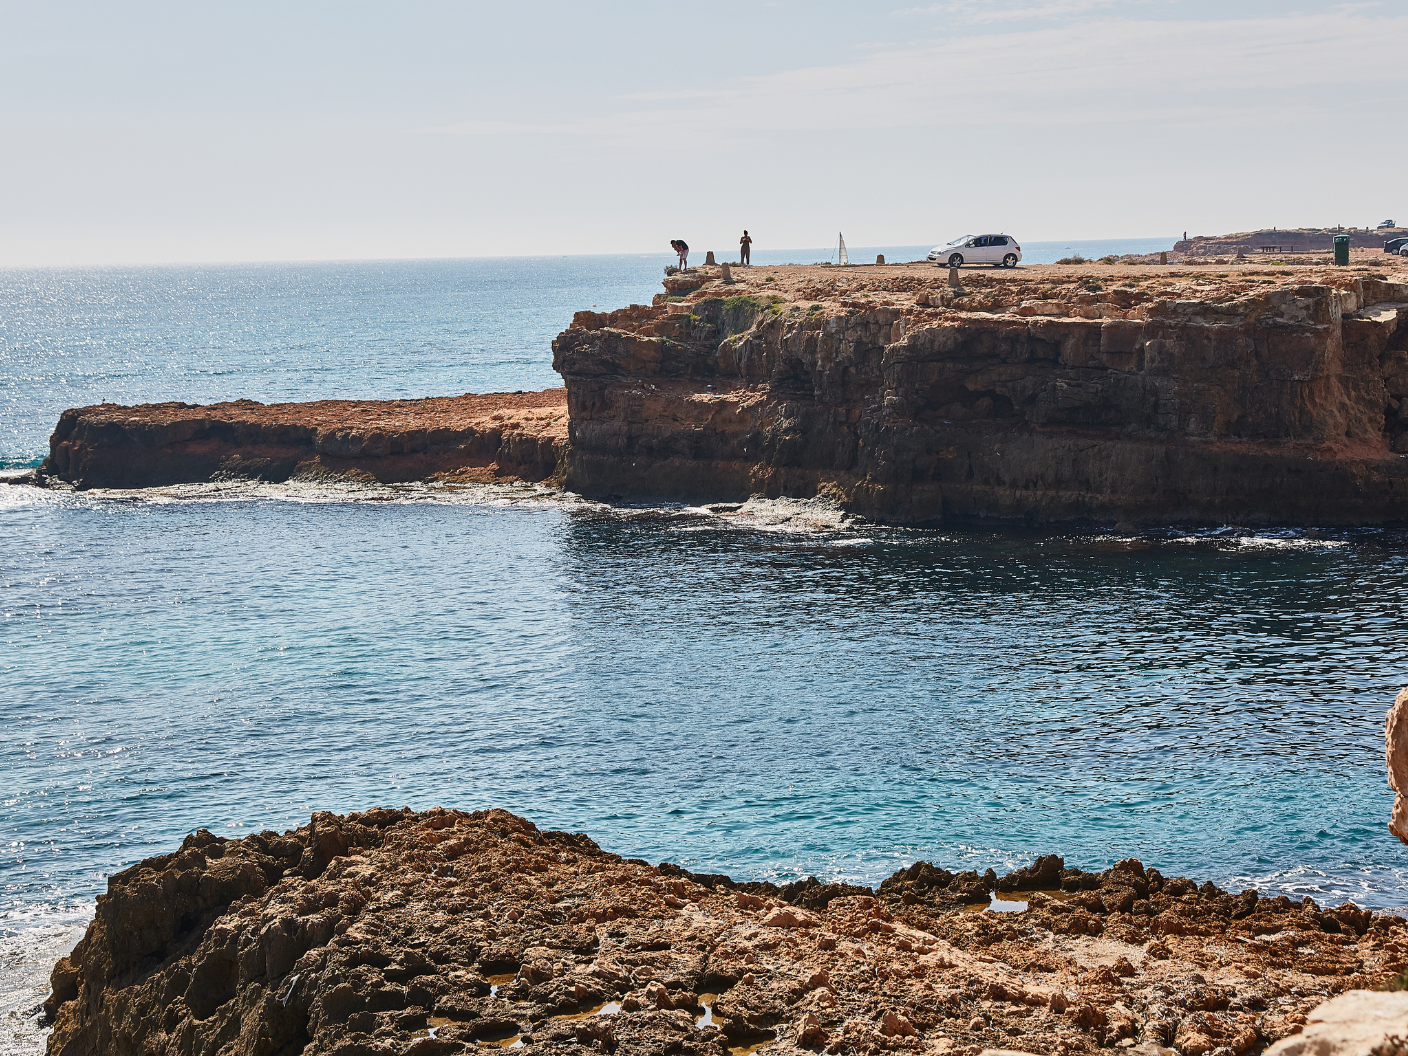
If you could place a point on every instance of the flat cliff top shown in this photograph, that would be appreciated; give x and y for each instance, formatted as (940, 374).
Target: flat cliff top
(442, 932)
(1040, 288)
(542, 413)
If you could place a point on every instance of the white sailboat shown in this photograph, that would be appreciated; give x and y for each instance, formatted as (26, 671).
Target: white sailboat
(841, 257)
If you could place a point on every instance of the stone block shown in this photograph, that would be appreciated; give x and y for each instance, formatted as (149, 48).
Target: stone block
(1353, 1024)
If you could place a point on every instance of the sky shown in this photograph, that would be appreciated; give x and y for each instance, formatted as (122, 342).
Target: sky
(151, 132)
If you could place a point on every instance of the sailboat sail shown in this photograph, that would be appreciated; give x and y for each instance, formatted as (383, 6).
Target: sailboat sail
(841, 257)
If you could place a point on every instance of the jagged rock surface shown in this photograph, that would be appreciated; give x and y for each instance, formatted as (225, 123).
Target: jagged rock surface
(470, 438)
(1250, 401)
(445, 932)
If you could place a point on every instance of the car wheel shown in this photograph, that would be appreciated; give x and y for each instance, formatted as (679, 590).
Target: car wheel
(1009, 261)
(956, 261)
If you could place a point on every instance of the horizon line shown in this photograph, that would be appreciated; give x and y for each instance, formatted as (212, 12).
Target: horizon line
(666, 253)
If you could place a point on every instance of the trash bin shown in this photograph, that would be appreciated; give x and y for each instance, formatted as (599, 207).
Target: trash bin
(1341, 249)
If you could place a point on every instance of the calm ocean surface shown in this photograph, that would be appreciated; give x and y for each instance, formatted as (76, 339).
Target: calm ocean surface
(772, 693)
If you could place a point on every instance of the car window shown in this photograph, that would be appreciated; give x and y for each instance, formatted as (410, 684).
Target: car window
(972, 242)
(998, 240)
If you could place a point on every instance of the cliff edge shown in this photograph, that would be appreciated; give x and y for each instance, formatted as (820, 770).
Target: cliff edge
(1034, 396)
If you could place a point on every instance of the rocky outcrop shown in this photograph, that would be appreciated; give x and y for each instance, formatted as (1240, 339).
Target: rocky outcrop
(1396, 758)
(502, 436)
(1256, 400)
(445, 932)
(1299, 240)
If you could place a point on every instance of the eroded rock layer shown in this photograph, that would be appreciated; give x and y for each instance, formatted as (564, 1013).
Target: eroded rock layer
(1030, 396)
(448, 932)
(491, 437)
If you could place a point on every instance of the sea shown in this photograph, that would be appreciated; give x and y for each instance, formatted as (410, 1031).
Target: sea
(772, 691)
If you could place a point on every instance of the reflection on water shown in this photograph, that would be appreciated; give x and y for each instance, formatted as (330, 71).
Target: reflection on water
(706, 1018)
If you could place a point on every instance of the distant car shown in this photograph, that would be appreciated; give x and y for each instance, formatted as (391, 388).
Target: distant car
(1001, 251)
(1403, 252)
(1393, 245)
(1388, 223)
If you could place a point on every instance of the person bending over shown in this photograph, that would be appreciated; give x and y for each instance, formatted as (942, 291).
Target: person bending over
(681, 247)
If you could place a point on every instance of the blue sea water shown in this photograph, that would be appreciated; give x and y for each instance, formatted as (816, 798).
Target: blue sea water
(770, 692)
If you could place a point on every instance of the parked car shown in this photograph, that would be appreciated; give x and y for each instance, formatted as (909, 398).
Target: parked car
(1001, 251)
(1403, 252)
(1388, 223)
(1393, 245)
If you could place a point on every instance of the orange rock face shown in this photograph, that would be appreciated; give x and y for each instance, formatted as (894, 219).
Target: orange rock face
(1396, 757)
(449, 932)
(495, 437)
(1045, 395)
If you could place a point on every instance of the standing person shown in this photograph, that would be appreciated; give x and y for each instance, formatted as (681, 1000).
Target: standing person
(743, 245)
(681, 247)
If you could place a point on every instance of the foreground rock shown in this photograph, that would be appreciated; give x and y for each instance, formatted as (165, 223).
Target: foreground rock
(443, 932)
(1033, 396)
(500, 436)
(1359, 1023)
(1396, 759)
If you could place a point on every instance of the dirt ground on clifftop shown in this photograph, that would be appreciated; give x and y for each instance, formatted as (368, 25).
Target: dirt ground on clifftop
(541, 412)
(988, 288)
(450, 932)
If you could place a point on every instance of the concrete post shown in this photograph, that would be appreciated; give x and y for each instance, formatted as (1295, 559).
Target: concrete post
(953, 280)
(1163, 258)
(709, 258)
(728, 275)
(879, 258)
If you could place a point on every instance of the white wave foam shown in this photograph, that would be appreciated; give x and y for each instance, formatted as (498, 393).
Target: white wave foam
(304, 490)
(31, 940)
(1374, 888)
(1260, 541)
(799, 516)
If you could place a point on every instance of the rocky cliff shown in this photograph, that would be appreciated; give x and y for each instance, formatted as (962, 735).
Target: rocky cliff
(1028, 397)
(494, 437)
(1396, 761)
(449, 932)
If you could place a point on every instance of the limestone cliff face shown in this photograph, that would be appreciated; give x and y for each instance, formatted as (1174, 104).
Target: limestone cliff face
(504, 435)
(1248, 403)
(1396, 760)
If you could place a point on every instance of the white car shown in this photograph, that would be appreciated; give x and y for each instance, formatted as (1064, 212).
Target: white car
(997, 250)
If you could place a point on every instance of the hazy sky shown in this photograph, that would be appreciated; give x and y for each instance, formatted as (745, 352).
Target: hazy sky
(259, 131)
